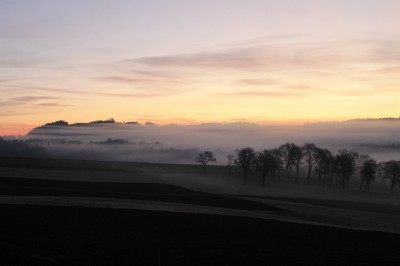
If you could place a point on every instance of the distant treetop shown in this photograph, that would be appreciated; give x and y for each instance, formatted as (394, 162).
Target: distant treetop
(57, 123)
(108, 121)
(377, 119)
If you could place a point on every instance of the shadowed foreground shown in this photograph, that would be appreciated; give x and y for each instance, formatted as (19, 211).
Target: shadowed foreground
(48, 235)
(96, 217)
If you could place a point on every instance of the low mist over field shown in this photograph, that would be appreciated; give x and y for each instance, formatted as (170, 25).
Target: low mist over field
(110, 140)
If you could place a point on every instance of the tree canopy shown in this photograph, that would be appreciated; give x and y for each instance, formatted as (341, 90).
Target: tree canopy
(204, 158)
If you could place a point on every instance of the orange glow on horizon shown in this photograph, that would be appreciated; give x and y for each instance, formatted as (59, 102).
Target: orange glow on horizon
(15, 130)
(23, 129)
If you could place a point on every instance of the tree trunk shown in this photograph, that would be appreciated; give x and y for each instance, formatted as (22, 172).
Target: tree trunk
(245, 172)
(309, 173)
(297, 172)
(362, 181)
(343, 181)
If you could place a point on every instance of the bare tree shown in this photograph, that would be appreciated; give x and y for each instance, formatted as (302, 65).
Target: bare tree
(295, 155)
(324, 166)
(368, 171)
(345, 166)
(278, 159)
(391, 171)
(310, 157)
(285, 154)
(245, 159)
(204, 158)
(267, 164)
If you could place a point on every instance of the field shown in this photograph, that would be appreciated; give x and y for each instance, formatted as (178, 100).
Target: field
(65, 212)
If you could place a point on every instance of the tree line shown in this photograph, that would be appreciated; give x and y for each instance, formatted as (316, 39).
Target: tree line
(289, 158)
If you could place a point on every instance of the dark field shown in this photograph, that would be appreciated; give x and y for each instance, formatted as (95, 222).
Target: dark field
(133, 191)
(53, 221)
(46, 235)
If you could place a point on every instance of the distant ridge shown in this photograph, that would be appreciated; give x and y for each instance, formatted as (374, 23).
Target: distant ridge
(377, 119)
(112, 121)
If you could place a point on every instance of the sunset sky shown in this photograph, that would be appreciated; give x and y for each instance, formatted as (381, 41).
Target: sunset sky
(187, 62)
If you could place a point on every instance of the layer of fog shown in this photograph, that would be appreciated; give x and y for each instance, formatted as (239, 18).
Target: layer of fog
(380, 139)
(326, 205)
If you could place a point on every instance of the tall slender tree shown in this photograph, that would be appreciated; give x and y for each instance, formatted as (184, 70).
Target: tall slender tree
(368, 171)
(296, 155)
(284, 151)
(324, 166)
(310, 157)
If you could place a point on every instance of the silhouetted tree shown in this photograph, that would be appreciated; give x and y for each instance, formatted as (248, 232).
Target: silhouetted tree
(204, 158)
(107, 121)
(310, 157)
(278, 159)
(368, 173)
(391, 171)
(295, 157)
(360, 159)
(245, 159)
(324, 166)
(345, 166)
(17, 148)
(285, 155)
(57, 123)
(267, 164)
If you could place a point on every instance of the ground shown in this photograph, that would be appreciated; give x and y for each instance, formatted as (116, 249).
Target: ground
(58, 212)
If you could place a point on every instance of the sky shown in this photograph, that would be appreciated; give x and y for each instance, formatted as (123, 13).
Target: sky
(191, 62)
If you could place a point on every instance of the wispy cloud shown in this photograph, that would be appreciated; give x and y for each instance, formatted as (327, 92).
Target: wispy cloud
(53, 104)
(46, 89)
(24, 99)
(261, 68)
(133, 81)
(395, 70)
(258, 82)
(123, 80)
(386, 52)
(21, 100)
(265, 40)
(24, 62)
(359, 92)
(276, 56)
(243, 58)
(136, 95)
(260, 93)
